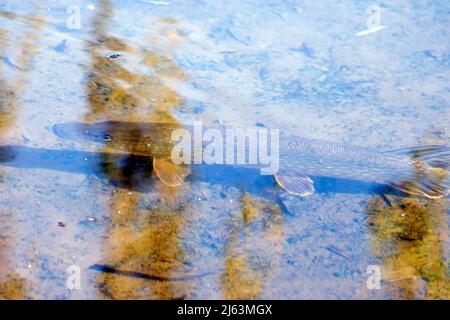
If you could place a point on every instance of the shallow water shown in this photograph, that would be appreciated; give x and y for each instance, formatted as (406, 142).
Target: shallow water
(226, 232)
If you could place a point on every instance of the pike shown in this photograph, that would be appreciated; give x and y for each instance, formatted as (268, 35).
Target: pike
(420, 171)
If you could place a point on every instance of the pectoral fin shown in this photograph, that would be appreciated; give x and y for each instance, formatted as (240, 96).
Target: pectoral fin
(170, 173)
(294, 184)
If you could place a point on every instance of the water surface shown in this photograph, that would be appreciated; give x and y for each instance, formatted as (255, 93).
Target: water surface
(227, 232)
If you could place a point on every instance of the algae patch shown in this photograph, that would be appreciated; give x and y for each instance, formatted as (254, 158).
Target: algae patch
(408, 237)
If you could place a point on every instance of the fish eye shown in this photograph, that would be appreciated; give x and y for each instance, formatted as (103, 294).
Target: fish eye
(107, 137)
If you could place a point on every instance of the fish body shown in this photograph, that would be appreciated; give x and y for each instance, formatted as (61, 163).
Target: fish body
(418, 171)
(146, 139)
(342, 161)
(421, 171)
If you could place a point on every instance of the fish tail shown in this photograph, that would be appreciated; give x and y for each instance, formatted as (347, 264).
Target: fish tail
(429, 188)
(432, 179)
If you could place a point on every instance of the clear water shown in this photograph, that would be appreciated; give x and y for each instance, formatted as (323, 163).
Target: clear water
(303, 67)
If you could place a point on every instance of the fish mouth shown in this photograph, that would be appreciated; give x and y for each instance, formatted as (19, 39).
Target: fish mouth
(66, 131)
(79, 133)
(58, 130)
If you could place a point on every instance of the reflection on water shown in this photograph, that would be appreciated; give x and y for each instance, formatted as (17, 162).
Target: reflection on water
(223, 232)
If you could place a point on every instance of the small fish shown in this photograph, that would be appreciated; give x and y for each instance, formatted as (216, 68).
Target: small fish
(113, 56)
(420, 171)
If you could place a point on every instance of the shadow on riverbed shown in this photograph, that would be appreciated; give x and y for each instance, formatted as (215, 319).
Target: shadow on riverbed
(134, 171)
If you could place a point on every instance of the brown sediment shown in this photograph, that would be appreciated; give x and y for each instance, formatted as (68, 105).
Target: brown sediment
(145, 241)
(33, 20)
(13, 286)
(10, 92)
(116, 92)
(250, 253)
(143, 244)
(240, 282)
(408, 238)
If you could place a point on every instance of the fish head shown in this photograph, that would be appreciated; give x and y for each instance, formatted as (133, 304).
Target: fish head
(83, 132)
(139, 138)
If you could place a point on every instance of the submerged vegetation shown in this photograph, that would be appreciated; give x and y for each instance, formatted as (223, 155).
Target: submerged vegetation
(224, 232)
(408, 237)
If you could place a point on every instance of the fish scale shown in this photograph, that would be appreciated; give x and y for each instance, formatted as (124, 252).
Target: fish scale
(299, 158)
